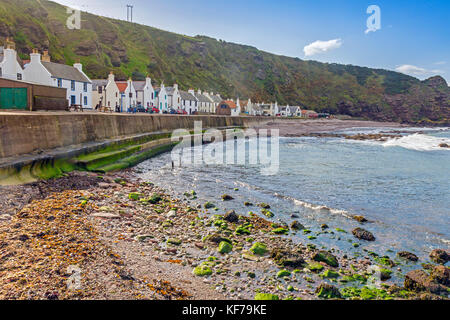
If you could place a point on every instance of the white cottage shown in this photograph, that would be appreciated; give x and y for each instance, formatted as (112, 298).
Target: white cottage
(162, 100)
(189, 102)
(42, 71)
(10, 63)
(127, 95)
(145, 94)
(174, 97)
(204, 103)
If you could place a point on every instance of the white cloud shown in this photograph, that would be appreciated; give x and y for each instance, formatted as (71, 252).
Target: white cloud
(416, 71)
(321, 47)
(440, 63)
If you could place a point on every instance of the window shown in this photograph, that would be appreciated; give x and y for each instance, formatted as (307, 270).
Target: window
(72, 85)
(85, 101)
(152, 96)
(19, 76)
(100, 89)
(59, 83)
(73, 100)
(1, 72)
(85, 87)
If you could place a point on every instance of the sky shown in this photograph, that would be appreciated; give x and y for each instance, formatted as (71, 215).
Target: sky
(408, 36)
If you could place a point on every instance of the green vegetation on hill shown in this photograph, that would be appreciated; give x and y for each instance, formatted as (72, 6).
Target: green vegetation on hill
(129, 49)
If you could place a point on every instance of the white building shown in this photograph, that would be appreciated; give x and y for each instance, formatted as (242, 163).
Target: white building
(189, 102)
(205, 104)
(42, 71)
(236, 111)
(127, 95)
(173, 97)
(145, 94)
(162, 100)
(10, 63)
(294, 111)
(216, 99)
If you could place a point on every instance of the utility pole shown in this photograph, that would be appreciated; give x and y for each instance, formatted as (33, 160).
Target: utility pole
(130, 13)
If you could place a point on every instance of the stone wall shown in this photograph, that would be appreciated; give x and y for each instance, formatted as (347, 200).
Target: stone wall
(23, 133)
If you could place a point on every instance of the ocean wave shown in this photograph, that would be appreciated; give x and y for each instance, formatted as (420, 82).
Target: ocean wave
(316, 207)
(417, 141)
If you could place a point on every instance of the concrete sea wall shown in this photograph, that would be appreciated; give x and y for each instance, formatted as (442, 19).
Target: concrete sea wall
(23, 133)
(46, 145)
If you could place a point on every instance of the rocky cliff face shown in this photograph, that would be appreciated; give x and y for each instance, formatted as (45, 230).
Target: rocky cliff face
(135, 50)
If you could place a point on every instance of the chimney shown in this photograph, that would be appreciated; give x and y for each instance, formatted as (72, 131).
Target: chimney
(175, 86)
(10, 44)
(78, 66)
(199, 91)
(46, 56)
(35, 56)
(111, 77)
(191, 91)
(148, 81)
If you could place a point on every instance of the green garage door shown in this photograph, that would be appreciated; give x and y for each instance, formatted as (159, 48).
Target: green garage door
(13, 98)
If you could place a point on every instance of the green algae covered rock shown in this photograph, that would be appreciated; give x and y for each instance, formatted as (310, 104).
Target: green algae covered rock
(280, 230)
(330, 274)
(315, 267)
(202, 271)
(225, 247)
(259, 248)
(326, 291)
(283, 273)
(328, 258)
(266, 296)
(134, 196)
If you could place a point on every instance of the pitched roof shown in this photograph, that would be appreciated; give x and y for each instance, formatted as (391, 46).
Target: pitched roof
(202, 98)
(216, 98)
(187, 96)
(230, 103)
(98, 83)
(122, 86)
(64, 71)
(139, 85)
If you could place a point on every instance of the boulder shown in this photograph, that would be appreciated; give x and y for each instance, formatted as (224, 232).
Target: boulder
(441, 275)
(440, 256)
(295, 225)
(408, 256)
(327, 291)
(363, 234)
(227, 197)
(419, 280)
(328, 258)
(287, 259)
(231, 216)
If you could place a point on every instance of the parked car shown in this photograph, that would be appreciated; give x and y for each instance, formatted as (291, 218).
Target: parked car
(154, 110)
(182, 111)
(141, 108)
(172, 111)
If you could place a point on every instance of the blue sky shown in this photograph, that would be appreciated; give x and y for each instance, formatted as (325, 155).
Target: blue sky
(414, 37)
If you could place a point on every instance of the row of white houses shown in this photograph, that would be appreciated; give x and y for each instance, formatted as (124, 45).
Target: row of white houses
(122, 96)
(40, 70)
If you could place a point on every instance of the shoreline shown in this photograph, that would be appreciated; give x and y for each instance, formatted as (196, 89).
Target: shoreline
(132, 240)
(140, 243)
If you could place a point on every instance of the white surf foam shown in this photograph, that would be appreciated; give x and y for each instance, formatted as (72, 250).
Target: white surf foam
(419, 142)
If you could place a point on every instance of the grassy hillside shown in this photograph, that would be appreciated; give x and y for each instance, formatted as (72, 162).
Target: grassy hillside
(128, 49)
